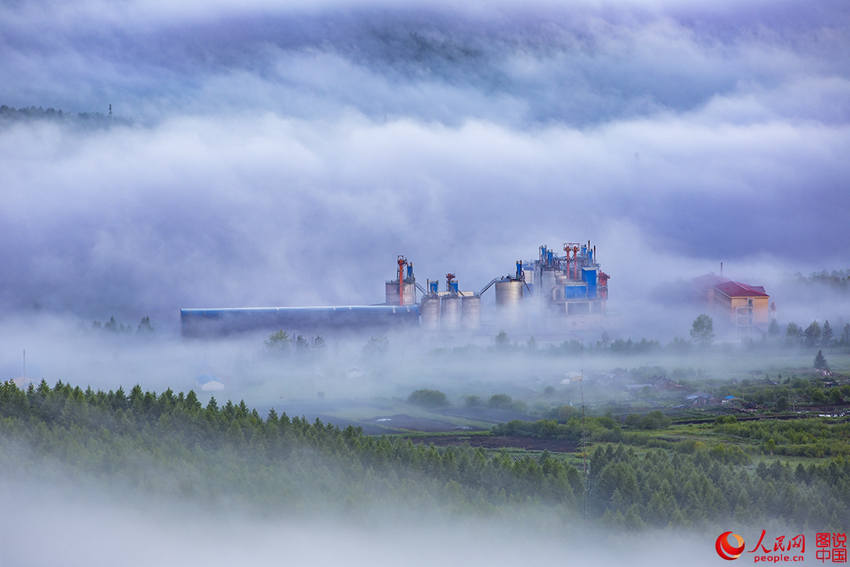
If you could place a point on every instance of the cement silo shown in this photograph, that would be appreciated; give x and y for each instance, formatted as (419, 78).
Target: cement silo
(471, 311)
(430, 308)
(450, 304)
(450, 310)
(402, 291)
(508, 292)
(407, 298)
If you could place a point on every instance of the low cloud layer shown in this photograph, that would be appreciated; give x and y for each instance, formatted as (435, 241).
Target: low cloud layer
(286, 156)
(183, 533)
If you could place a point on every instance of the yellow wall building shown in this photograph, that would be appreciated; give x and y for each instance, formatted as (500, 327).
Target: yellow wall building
(747, 305)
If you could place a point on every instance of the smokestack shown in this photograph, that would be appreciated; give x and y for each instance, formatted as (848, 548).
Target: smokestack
(402, 261)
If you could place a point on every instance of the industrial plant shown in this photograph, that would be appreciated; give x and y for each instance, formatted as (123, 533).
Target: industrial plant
(563, 286)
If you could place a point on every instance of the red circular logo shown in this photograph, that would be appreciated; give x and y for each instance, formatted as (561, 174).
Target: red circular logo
(725, 549)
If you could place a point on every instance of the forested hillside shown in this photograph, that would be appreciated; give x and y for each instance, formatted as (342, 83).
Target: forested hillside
(171, 445)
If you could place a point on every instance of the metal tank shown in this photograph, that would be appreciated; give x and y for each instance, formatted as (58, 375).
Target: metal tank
(392, 293)
(430, 311)
(471, 307)
(450, 309)
(547, 281)
(508, 292)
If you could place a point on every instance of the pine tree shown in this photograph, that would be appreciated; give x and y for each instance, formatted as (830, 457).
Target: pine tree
(826, 334)
(702, 331)
(813, 334)
(793, 333)
(272, 418)
(192, 402)
(279, 341)
(820, 361)
(773, 328)
(145, 325)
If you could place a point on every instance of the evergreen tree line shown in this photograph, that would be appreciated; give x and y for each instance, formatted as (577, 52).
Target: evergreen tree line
(660, 488)
(113, 326)
(191, 448)
(814, 335)
(10, 114)
(836, 279)
(172, 443)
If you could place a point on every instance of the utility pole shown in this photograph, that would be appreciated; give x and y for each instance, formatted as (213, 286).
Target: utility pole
(583, 446)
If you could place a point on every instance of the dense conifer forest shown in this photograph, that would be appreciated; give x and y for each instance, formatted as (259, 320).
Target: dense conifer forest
(171, 445)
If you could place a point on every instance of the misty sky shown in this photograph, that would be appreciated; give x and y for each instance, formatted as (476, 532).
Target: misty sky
(286, 156)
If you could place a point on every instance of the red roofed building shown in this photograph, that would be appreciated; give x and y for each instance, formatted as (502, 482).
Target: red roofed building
(738, 289)
(747, 305)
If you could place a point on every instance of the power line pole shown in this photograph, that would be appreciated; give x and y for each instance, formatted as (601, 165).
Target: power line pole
(583, 445)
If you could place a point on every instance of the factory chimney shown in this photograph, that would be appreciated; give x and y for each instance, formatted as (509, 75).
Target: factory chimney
(402, 262)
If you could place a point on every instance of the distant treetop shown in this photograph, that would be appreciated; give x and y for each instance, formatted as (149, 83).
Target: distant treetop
(9, 115)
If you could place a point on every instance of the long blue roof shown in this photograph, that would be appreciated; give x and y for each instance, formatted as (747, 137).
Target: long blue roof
(306, 308)
(224, 320)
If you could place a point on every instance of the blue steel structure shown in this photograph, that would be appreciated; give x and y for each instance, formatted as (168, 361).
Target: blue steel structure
(572, 283)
